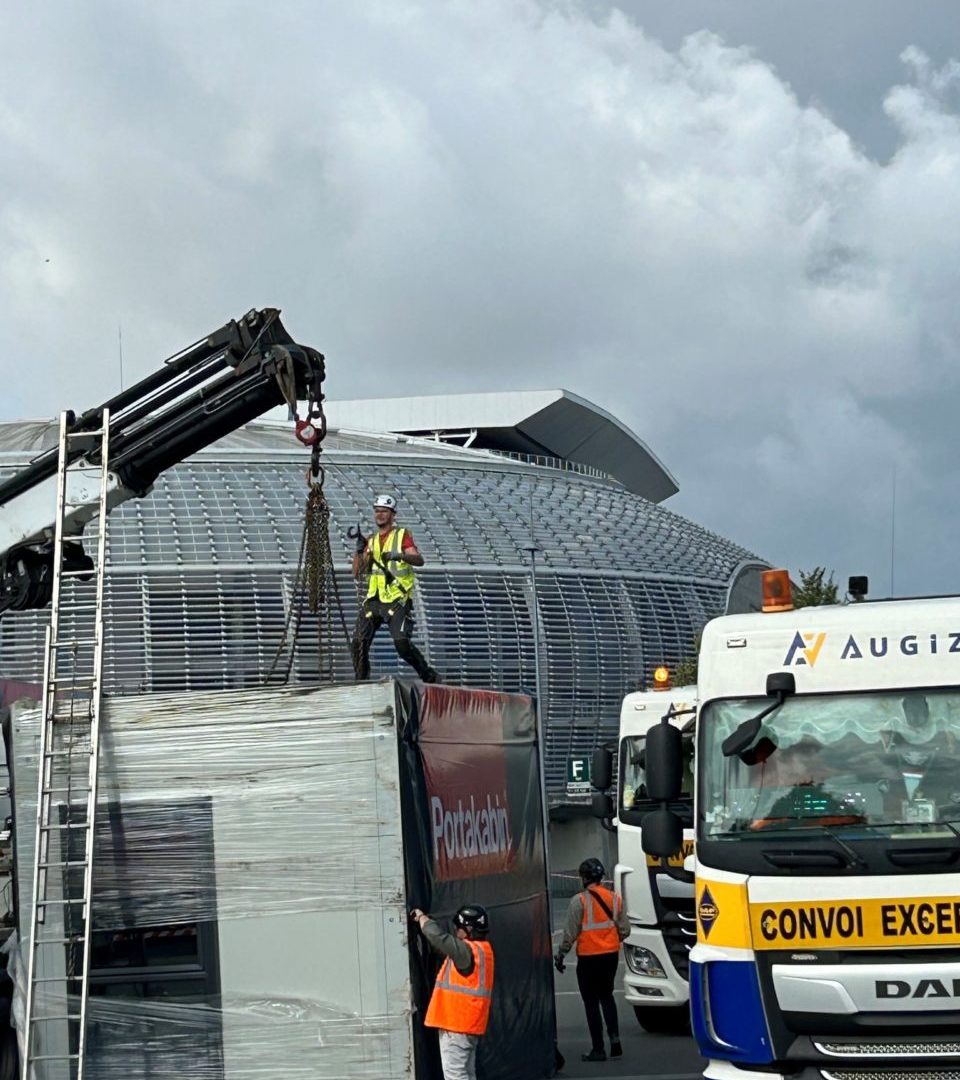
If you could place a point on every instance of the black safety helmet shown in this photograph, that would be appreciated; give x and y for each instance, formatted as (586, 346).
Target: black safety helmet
(474, 919)
(591, 871)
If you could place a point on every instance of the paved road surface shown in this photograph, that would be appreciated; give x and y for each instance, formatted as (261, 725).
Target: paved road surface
(667, 1057)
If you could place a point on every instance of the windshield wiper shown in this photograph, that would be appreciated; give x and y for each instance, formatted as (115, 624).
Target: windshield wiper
(921, 825)
(855, 858)
(809, 833)
(956, 832)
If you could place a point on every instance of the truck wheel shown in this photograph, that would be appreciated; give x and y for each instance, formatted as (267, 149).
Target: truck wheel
(664, 1019)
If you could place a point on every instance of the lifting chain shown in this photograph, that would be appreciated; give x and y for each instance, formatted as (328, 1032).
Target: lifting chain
(315, 567)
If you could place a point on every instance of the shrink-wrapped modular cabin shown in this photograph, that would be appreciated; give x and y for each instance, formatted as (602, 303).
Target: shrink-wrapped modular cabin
(256, 855)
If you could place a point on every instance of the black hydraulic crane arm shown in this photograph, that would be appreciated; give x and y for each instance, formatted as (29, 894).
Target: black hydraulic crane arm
(200, 394)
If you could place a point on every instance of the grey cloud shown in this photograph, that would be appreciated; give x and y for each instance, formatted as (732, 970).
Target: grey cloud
(459, 196)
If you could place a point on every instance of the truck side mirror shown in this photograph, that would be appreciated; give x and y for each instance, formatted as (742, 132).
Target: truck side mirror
(664, 764)
(780, 686)
(662, 834)
(601, 768)
(601, 805)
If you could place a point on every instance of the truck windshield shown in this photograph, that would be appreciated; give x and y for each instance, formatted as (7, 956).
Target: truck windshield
(633, 788)
(871, 761)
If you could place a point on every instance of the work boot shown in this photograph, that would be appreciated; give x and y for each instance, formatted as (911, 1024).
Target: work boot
(616, 1047)
(594, 1055)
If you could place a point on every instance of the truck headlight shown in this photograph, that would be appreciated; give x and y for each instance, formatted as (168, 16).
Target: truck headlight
(643, 962)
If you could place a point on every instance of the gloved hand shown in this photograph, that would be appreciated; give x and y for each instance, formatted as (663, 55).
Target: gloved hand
(558, 963)
(392, 556)
(354, 533)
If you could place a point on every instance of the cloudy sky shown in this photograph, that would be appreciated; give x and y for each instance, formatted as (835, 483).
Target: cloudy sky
(736, 225)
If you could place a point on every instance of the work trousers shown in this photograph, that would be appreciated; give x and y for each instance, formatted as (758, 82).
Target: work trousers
(458, 1055)
(595, 977)
(399, 618)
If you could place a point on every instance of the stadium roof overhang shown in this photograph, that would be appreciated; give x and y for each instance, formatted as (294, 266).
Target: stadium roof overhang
(552, 423)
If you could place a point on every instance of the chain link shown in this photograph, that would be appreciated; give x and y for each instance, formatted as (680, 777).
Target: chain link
(316, 578)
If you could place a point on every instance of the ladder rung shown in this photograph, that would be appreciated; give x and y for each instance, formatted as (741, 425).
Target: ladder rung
(53, 903)
(59, 979)
(63, 828)
(54, 1057)
(66, 863)
(50, 1019)
(77, 939)
(67, 642)
(73, 751)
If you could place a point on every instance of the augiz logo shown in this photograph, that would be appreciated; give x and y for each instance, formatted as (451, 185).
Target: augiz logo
(804, 649)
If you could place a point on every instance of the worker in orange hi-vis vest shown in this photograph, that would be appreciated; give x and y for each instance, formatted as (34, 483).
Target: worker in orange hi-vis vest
(460, 1003)
(597, 924)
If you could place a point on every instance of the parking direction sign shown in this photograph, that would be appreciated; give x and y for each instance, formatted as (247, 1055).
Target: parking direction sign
(578, 775)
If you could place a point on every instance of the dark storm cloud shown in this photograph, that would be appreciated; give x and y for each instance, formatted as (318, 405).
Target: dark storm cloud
(460, 196)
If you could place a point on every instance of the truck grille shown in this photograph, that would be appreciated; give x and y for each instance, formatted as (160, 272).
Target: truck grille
(884, 1074)
(680, 936)
(890, 1049)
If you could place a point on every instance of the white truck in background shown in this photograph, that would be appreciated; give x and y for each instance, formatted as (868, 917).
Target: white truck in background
(660, 906)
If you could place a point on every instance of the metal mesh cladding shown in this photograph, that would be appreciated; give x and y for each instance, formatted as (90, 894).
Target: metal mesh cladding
(204, 577)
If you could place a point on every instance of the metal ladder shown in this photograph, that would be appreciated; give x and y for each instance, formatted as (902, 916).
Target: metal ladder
(55, 1034)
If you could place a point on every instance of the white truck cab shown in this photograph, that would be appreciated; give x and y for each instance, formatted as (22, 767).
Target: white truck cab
(827, 833)
(660, 907)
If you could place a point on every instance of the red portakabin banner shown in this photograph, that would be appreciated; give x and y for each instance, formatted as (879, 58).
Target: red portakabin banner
(462, 746)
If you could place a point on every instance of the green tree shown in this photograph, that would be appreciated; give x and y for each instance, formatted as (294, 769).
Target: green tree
(815, 588)
(685, 673)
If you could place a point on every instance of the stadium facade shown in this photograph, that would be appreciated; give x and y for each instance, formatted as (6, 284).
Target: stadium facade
(203, 569)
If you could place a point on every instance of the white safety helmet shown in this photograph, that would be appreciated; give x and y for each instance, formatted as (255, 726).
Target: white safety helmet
(385, 502)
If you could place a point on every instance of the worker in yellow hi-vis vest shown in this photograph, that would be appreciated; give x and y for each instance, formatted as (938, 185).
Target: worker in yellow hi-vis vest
(388, 558)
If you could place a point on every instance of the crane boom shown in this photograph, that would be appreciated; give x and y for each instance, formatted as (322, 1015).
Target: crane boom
(197, 396)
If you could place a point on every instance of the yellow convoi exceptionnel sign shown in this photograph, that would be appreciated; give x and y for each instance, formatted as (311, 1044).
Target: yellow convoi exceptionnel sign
(873, 923)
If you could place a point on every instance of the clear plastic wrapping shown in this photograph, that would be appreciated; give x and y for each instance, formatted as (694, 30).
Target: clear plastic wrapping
(249, 890)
